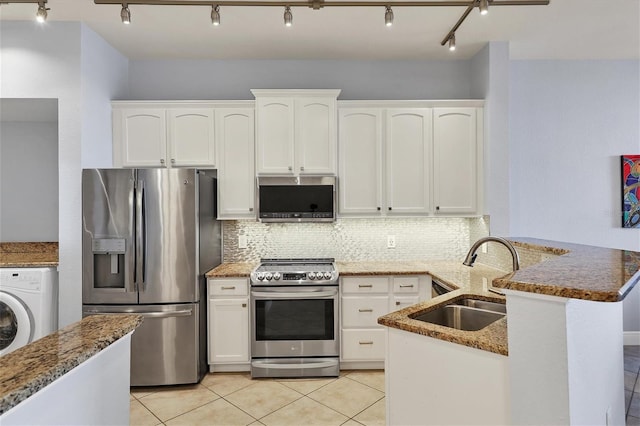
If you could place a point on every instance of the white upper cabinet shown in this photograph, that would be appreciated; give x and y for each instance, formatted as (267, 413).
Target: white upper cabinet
(408, 155)
(139, 137)
(360, 160)
(456, 149)
(409, 158)
(296, 132)
(236, 173)
(191, 138)
(157, 135)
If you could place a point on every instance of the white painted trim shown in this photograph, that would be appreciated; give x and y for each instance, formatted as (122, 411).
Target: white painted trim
(411, 103)
(631, 338)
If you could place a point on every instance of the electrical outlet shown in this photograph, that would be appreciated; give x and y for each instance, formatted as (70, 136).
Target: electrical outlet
(243, 241)
(391, 241)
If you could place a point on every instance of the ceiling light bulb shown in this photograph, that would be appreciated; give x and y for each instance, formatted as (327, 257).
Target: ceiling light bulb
(452, 42)
(288, 17)
(41, 14)
(484, 7)
(388, 17)
(215, 15)
(125, 14)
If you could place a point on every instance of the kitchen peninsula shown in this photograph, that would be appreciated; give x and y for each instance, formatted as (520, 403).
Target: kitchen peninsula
(77, 375)
(564, 363)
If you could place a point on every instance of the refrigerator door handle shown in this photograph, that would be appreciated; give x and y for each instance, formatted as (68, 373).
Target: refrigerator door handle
(139, 259)
(150, 314)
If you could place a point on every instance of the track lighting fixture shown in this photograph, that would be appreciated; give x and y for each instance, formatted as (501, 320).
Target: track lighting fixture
(41, 14)
(288, 17)
(215, 15)
(125, 14)
(484, 7)
(388, 16)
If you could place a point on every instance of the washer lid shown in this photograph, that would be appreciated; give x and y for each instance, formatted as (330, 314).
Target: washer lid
(16, 327)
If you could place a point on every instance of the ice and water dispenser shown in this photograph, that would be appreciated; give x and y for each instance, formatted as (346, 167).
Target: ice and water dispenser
(109, 262)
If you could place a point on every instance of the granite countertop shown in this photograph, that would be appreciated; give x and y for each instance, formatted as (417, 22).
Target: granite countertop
(580, 272)
(229, 270)
(28, 255)
(30, 368)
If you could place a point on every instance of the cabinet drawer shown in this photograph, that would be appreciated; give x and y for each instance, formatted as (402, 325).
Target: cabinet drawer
(365, 285)
(363, 345)
(228, 287)
(363, 311)
(401, 302)
(406, 284)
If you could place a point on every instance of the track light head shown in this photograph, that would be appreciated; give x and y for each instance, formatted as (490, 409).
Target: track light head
(41, 14)
(215, 15)
(484, 7)
(452, 42)
(288, 17)
(388, 16)
(125, 14)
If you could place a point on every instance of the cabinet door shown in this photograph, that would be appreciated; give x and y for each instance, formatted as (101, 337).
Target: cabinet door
(236, 175)
(228, 330)
(275, 135)
(363, 311)
(363, 345)
(191, 137)
(360, 160)
(408, 148)
(455, 177)
(315, 135)
(140, 138)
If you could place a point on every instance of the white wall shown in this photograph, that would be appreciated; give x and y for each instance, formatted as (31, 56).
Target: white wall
(105, 76)
(569, 123)
(490, 81)
(29, 180)
(45, 62)
(207, 79)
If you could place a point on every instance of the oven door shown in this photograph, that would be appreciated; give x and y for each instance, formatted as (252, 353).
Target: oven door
(297, 321)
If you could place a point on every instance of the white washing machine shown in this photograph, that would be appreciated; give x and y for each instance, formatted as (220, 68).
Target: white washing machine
(28, 305)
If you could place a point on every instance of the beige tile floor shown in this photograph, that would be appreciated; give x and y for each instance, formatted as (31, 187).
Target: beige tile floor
(355, 398)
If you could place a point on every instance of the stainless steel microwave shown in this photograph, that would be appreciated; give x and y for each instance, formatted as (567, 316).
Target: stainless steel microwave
(297, 199)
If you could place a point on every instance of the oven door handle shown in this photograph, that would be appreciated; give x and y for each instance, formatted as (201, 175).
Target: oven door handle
(300, 295)
(293, 366)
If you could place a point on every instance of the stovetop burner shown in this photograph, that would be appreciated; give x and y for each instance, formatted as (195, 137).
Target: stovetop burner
(288, 271)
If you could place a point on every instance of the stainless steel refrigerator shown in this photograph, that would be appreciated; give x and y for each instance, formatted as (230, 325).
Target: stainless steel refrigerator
(148, 238)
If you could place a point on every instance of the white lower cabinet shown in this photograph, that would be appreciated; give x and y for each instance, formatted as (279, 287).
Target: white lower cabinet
(228, 321)
(363, 300)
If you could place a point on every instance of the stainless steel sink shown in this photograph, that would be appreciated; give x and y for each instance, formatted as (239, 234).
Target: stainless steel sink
(483, 304)
(461, 317)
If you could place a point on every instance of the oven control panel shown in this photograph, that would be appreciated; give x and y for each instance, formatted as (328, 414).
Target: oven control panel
(295, 272)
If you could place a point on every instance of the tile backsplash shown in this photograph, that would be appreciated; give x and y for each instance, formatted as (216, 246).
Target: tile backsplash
(355, 239)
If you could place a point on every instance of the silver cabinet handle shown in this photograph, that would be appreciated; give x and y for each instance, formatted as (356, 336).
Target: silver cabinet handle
(366, 343)
(397, 303)
(365, 285)
(302, 168)
(233, 287)
(406, 285)
(365, 310)
(162, 161)
(244, 305)
(290, 168)
(250, 209)
(173, 161)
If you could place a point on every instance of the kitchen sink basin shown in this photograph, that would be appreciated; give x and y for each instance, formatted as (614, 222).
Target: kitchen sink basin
(483, 304)
(461, 317)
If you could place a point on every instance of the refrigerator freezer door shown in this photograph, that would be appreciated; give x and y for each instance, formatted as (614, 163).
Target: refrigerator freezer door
(165, 348)
(169, 256)
(108, 254)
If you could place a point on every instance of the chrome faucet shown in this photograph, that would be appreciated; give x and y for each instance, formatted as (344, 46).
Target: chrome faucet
(471, 256)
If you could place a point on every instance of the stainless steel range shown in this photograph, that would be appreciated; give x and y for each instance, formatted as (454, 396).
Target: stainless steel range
(294, 318)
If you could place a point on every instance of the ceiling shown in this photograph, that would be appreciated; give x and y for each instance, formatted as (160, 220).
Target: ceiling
(565, 29)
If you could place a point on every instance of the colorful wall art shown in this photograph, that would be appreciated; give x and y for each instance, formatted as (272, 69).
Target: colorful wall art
(631, 191)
